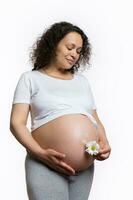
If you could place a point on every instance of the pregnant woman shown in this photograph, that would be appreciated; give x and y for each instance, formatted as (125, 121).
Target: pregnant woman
(63, 117)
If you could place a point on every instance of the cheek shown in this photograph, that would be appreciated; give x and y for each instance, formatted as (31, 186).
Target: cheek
(62, 56)
(64, 52)
(60, 59)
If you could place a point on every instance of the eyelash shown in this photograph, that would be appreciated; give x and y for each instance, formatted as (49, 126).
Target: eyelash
(71, 49)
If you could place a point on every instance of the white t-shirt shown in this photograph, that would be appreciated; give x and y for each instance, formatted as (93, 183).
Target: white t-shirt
(51, 97)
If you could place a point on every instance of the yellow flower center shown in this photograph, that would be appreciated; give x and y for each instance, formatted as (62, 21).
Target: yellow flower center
(93, 148)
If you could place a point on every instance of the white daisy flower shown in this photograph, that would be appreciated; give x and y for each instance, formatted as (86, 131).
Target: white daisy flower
(92, 147)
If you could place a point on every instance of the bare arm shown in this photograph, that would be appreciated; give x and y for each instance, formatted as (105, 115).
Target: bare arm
(103, 141)
(18, 121)
(101, 129)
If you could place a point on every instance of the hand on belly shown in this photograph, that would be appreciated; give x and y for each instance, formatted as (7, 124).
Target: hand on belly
(74, 150)
(68, 136)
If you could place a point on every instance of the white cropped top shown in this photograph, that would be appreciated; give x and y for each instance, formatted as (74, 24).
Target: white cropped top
(51, 97)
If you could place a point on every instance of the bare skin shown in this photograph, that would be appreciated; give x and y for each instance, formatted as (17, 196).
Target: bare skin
(68, 134)
(68, 53)
(40, 143)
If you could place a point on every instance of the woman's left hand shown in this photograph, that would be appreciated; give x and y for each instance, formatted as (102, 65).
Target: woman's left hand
(105, 150)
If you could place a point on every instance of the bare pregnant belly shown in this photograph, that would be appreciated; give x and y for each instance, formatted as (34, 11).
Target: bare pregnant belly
(68, 134)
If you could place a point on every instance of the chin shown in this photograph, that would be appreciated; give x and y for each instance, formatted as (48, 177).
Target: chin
(68, 66)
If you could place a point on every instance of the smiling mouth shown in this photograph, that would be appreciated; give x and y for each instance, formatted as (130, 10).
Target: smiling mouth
(70, 61)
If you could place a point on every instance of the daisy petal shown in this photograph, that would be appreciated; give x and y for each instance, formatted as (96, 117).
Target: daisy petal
(92, 147)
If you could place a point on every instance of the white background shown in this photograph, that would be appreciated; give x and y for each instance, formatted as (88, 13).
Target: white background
(108, 25)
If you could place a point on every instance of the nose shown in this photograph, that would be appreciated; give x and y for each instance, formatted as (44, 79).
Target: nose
(74, 54)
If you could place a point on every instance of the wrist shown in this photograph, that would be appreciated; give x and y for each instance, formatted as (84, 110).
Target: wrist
(38, 152)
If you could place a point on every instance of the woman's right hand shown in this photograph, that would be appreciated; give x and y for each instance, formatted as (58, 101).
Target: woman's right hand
(54, 160)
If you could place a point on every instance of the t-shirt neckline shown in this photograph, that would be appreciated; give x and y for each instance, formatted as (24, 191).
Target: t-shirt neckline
(54, 78)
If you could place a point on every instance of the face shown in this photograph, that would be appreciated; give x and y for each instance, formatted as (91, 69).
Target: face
(68, 51)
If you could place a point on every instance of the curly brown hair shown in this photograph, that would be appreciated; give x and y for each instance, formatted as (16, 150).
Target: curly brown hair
(44, 49)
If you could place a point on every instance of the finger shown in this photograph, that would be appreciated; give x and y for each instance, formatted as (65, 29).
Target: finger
(62, 164)
(104, 151)
(61, 167)
(58, 154)
(67, 167)
(56, 161)
(58, 169)
(105, 155)
(64, 171)
(99, 158)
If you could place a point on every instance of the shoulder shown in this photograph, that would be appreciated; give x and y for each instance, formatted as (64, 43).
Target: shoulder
(82, 77)
(85, 80)
(28, 75)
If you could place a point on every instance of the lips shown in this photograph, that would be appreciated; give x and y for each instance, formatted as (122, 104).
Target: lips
(71, 61)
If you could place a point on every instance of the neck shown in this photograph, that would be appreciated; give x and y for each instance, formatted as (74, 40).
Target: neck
(52, 70)
(56, 74)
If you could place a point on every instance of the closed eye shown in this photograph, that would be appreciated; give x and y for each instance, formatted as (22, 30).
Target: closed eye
(69, 48)
(79, 52)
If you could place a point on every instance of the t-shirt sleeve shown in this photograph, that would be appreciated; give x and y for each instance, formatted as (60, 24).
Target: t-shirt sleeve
(90, 93)
(22, 90)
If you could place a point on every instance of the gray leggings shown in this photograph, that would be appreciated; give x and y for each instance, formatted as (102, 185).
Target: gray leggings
(44, 183)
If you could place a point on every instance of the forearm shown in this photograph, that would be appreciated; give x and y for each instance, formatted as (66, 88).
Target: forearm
(101, 132)
(25, 138)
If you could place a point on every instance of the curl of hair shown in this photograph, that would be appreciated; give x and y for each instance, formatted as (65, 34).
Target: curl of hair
(43, 51)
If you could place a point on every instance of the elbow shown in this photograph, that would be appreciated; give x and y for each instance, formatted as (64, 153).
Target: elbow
(15, 125)
(11, 127)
